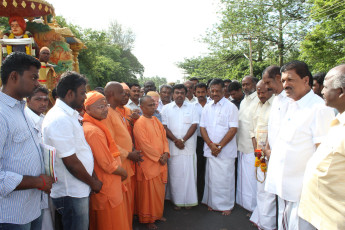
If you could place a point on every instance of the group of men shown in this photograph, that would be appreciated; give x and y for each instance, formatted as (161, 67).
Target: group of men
(260, 144)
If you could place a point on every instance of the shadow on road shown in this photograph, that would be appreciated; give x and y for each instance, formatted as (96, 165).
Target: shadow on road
(199, 218)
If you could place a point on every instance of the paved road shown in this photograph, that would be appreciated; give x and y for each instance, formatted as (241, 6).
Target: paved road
(199, 218)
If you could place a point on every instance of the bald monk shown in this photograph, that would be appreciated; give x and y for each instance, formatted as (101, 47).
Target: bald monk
(150, 138)
(118, 129)
(107, 210)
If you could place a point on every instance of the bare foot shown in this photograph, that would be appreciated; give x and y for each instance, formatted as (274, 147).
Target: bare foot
(151, 226)
(209, 208)
(226, 213)
(189, 207)
(163, 219)
(177, 208)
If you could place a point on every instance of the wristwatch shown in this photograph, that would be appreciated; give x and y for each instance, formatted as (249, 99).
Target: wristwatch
(182, 140)
(220, 147)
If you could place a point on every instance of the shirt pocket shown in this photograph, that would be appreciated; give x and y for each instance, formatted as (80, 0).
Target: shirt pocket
(222, 120)
(21, 135)
(187, 119)
(23, 147)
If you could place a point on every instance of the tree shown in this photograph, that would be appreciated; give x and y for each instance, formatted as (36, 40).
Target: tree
(271, 25)
(218, 67)
(103, 60)
(323, 47)
(251, 35)
(156, 79)
(121, 36)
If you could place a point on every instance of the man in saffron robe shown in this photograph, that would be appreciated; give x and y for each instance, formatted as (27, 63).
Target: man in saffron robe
(150, 138)
(118, 129)
(107, 209)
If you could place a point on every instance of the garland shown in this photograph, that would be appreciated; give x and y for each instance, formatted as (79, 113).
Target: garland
(260, 161)
(27, 47)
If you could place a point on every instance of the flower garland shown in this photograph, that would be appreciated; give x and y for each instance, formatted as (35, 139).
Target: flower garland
(260, 161)
(27, 47)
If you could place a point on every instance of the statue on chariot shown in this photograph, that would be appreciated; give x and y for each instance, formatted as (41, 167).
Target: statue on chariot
(32, 29)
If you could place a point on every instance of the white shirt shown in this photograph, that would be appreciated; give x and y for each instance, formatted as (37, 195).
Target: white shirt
(247, 107)
(278, 111)
(132, 106)
(193, 100)
(179, 120)
(217, 119)
(36, 121)
(62, 130)
(199, 109)
(306, 123)
(160, 106)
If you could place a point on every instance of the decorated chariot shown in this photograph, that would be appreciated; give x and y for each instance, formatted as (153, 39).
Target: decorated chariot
(32, 26)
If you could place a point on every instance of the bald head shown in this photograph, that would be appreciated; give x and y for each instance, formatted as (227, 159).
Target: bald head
(114, 93)
(334, 88)
(260, 85)
(147, 105)
(336, 77)
(263, 93)
(145, 99)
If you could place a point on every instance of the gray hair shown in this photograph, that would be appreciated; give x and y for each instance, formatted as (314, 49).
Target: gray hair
(165, 86)
(338, 80)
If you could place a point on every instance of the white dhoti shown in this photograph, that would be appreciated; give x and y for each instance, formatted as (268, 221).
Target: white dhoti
(181, 188)
(264, 215)
(246, 181)
(289, 219)
(219, 193)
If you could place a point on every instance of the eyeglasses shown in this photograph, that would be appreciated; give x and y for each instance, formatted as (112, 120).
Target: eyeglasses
(14, 25)
(102, 106)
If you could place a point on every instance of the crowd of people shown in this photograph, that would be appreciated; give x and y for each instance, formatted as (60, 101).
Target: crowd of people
(273, 146)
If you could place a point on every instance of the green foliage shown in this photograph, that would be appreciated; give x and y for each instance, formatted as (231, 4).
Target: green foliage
(273, 27)
(233, 67)
(34, 27)
(4, 24)
(324, 46)
(156, 79)
(104, 61)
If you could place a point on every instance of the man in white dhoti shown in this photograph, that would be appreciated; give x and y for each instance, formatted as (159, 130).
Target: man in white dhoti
(246, 182)
(180, 120)
(264, 214)
(272, 78)
(218, 127)
(306, 122)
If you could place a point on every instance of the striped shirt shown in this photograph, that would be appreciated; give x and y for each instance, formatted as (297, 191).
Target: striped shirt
(20, 155)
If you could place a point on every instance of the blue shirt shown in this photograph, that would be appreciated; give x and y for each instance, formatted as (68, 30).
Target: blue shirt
(158, 115)
(20, 155)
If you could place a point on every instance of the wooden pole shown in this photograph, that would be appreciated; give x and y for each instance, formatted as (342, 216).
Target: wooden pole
(250, 58)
